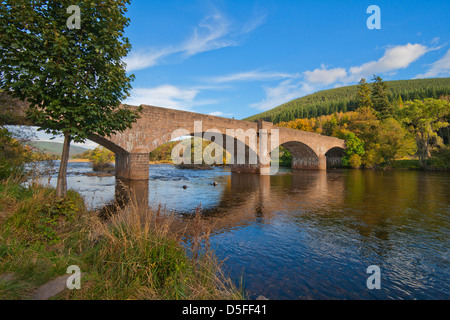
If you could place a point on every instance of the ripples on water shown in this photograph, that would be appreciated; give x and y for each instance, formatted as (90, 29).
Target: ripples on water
(311, 234)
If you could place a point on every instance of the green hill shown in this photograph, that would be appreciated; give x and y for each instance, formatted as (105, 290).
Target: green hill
(343, 99)
(49, 147)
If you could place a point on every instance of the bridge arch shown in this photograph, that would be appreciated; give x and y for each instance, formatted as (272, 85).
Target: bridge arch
(303, 156)
(156, 127)
(107, 143)
(243, 151)
(334, 156)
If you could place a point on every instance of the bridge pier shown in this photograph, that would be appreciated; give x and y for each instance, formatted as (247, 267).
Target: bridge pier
(133, 166)
(246, 168)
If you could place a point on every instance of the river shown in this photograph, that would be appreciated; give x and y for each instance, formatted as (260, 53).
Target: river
(311, 234)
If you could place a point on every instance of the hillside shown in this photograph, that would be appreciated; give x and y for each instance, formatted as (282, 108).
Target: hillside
(343, 99)
(55, 148)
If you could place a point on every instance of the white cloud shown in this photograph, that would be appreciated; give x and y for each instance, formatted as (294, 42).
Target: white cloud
(251, 76)
(220, 114)
(213, 32)
(325, 76)
(284, 92)
(395, 58)
(209, 35)
(439, 68)
(168, 96)
(435, 40)
(257, 20)
(142, 60)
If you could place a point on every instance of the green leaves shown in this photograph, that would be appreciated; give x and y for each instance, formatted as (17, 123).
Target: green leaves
(380, 98)
(424, 119)
(74, 79)
(363, 96)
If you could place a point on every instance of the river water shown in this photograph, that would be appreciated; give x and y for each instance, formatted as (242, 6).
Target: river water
(311, 234)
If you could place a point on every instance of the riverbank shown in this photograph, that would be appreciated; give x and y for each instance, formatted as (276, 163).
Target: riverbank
(41, 236)
(401, 164)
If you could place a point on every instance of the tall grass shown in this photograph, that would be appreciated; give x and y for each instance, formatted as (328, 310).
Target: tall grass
(136, 253)
(40, 235)
(140, 256)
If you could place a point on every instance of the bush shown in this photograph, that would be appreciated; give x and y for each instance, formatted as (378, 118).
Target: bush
(440, 158)
(12, 155)
(355, 147)
(355, 161)
(101, 159)
(39, 216)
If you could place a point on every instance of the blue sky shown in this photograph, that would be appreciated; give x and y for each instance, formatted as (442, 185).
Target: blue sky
(239, 58)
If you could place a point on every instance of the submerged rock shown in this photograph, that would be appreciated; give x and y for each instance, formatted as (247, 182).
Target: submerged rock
(194, 166)
(99, 174)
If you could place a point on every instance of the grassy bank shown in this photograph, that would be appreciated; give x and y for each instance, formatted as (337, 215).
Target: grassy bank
(134, 255)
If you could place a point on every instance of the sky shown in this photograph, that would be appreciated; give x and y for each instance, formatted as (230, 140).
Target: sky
(240, 58)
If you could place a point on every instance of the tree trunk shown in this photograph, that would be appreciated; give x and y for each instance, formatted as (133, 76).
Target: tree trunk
(420, 148)
(61, 187)
(448, 134)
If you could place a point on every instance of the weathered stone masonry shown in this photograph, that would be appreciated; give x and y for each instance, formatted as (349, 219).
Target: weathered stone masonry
(156, 127)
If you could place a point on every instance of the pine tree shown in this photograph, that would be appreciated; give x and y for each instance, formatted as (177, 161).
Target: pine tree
(380, 98)
(363, 95)
(400, 100)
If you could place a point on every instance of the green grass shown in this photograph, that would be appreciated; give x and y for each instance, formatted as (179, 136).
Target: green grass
(39, 235)
(134, 255)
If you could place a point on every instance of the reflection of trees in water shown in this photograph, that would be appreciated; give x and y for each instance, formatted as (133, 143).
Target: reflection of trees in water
(248, 198)
(388, 209)
(372, 204)
(346, 218)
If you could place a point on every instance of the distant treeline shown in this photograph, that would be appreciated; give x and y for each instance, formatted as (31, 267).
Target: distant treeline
(343, 99)
(382, 130)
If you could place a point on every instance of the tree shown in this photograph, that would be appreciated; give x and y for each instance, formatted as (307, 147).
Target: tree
(363, 95)
(73, 79)
(355, 146)
(101, 159)
(424, 119)
(12, 154)
(329, 126)
(393, 141)
(380, 98)
(355, 161)
(400, 101)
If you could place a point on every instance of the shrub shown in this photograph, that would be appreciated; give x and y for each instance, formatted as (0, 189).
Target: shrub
(440, 158)
(355, 161)
(101, 159)
(12, 155)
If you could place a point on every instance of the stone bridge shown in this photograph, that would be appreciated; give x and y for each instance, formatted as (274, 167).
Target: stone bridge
(159, 125)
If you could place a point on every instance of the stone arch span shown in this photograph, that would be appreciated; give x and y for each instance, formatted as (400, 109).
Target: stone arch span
(334, 156)
(242, 146)
(303, 156)
(157, 125)
(108, 144)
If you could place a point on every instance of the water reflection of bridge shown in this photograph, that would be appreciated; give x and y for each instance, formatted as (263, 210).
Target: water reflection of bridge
(249, 199)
